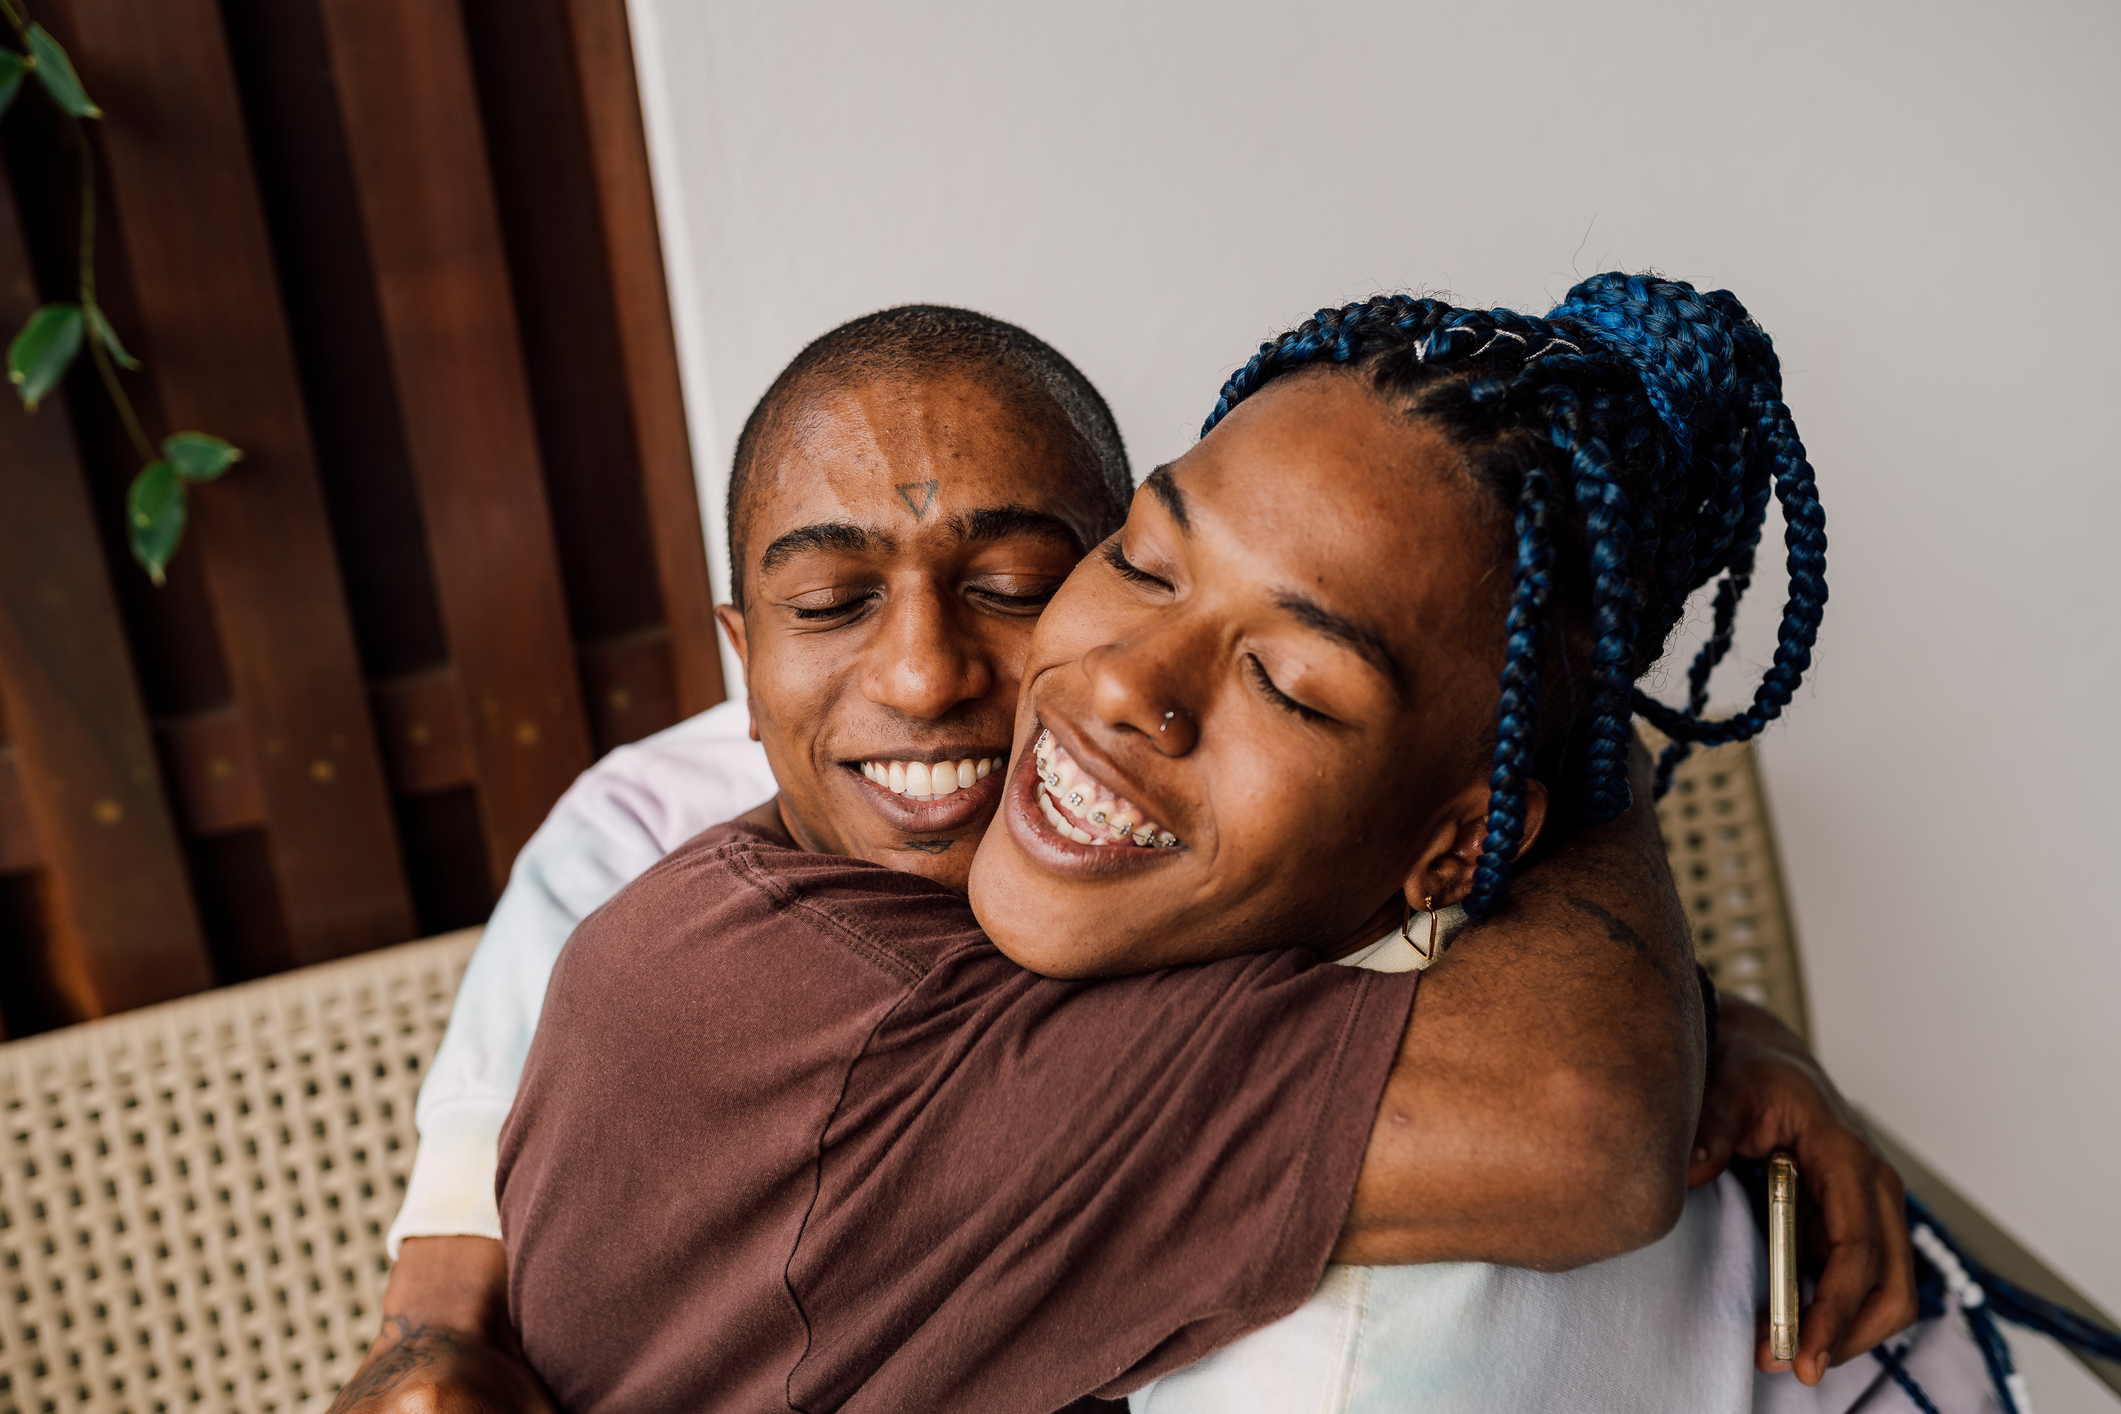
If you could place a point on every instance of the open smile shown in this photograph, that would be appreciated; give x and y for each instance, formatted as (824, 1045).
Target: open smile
(931, 797)
(1070, 820)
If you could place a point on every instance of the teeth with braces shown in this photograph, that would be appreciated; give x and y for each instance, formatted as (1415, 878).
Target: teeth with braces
(1115, 819)
(921, 780)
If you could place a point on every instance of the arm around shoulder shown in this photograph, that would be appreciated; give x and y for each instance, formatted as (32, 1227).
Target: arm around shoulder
(1547, 1088)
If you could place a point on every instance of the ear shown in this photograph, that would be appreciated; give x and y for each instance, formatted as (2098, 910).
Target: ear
(1443, 871)
(732, 621)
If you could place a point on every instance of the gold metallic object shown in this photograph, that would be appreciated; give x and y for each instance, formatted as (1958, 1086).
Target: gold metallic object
(1782, 1256)
(1422, 957)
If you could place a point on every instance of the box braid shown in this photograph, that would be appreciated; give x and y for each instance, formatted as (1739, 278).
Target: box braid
(1636, 431)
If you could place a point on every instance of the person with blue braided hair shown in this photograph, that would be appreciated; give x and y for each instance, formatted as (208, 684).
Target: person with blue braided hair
(1417, 563)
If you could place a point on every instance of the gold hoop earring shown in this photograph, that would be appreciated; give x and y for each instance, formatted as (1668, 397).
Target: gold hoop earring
(1423, 956)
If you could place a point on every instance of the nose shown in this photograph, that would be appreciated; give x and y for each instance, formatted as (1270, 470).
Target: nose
(923, 663)
(1137, 685)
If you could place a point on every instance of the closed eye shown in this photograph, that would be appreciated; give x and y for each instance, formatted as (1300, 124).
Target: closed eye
(830, 613)
(1258, 673)
(1126, 569)
(1015, 603)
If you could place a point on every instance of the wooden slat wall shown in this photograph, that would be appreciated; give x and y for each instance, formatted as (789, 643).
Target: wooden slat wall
(404, 254)
(81, 799)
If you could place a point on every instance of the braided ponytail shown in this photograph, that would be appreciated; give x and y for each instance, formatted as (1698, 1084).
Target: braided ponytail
(1645, 420)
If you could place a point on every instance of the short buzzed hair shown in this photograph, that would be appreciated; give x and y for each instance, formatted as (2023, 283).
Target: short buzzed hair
(916, 339)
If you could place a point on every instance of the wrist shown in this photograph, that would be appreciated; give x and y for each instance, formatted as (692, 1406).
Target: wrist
(454, 1284)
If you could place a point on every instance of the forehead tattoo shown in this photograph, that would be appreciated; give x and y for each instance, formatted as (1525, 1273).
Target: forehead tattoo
(918, 496)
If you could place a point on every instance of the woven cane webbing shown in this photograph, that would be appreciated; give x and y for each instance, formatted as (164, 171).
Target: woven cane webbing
(193, 1197)
(1722, 847)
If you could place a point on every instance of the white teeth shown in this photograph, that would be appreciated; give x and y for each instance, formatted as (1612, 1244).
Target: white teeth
(919, 780)
(1062, 780)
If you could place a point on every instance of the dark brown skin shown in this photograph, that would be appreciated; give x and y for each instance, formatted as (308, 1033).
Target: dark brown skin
(1768, 1092)
(899, 550)
(924, 658)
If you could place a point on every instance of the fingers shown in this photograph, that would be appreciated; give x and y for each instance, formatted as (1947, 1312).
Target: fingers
(1848, 1227)
(1891, 1306)
(1715, 1139)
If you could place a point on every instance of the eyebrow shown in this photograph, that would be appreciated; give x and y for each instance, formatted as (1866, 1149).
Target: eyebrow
(985, 524)
(1307, 611)
(1347, 632)
(843, 536)
(1166, 489)
(1008, 522)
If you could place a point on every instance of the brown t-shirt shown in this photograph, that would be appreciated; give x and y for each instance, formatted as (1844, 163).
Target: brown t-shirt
(793, 1135)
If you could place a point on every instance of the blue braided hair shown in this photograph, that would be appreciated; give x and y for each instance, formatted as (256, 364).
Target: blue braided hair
(1636, 430)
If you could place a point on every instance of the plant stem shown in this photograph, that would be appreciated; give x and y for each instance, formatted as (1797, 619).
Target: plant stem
(14, 19)
(90, 311)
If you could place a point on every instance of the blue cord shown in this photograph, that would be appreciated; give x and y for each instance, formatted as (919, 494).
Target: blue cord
(2012, 1302)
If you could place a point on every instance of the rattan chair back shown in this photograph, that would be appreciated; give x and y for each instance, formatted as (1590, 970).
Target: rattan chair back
(193, 1196)
(1722, 848)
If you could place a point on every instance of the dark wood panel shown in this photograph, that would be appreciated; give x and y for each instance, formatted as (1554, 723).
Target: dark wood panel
(19, 847)
(191, 235)
(214, 771)
(629, 685)
(426, 739)
(410, 115)
(121, 930)
(633, 251)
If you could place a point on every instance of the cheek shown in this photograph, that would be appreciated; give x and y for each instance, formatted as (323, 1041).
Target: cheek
(793, 680)
(1307, 824)
(1089, 611)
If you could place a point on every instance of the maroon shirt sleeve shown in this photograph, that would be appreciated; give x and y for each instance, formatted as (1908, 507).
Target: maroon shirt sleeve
(794, 1135)
(1037, 1186)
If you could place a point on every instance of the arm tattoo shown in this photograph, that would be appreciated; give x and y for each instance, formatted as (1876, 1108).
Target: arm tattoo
(418, 1345)
(1619, 930)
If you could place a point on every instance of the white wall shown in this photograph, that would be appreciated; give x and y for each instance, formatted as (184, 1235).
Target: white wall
(1918, 199)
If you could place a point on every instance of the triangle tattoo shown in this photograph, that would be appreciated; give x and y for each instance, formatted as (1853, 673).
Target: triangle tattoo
(918, 495)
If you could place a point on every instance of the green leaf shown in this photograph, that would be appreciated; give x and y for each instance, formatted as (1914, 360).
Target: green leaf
(108, 337)
(154, 516)
(42, 352)
(56, 72)
(12, 67)
(198, 456)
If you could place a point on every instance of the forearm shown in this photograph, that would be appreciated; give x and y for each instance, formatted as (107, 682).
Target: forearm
(446, 1345)
(1546, 1093)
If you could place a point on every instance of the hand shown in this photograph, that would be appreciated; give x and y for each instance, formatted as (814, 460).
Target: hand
(1766, 1091)
(446, 1346)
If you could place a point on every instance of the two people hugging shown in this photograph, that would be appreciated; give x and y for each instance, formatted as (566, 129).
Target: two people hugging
(1207, 946)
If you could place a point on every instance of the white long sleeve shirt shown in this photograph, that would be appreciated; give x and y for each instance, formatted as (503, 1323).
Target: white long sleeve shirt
(623, 814)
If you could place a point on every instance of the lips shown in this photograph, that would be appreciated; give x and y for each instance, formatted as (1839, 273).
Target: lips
(1066, 838)
(931, 797)
(1085, 810)
(930, 780)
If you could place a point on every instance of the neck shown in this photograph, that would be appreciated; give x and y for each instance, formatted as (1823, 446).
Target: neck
(1389, 915)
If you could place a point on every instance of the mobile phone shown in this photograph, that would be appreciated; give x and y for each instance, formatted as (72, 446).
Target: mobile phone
(1782, 1256)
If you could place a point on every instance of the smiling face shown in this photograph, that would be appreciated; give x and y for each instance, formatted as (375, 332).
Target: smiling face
(1260, 715)
(900, 538)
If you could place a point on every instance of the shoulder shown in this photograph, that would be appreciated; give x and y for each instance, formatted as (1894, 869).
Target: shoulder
(737, 892)
(666, 788)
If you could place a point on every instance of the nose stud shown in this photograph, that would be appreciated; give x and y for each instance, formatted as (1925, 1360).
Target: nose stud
(1166, 726)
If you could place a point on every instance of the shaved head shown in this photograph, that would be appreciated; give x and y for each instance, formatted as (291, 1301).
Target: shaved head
(911, 344)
